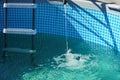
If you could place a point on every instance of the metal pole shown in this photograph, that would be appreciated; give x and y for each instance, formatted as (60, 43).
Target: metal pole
(33, 27)
(5, 26)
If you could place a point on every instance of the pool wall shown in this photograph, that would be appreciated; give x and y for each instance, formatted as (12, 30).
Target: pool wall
(85, 20)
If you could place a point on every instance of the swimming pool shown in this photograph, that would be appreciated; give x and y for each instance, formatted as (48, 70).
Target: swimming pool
(93, 44)
(86, 61)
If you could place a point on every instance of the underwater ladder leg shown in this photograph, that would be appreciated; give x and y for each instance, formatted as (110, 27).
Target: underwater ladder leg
(33, 27)
(4, 55)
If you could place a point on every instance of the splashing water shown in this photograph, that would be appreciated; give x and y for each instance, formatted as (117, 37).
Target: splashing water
(73, 61)
(71, 66)
(66, 32)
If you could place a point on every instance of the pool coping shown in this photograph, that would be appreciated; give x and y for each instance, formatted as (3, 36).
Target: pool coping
(111, 8)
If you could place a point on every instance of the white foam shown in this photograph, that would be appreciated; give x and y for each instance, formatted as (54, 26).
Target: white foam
(73, 66)
(72, 61)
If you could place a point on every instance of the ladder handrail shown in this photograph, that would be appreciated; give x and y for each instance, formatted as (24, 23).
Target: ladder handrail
(5, 25)
(33, 25)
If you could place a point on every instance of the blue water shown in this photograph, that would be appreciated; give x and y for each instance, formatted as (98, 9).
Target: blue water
(82, 61)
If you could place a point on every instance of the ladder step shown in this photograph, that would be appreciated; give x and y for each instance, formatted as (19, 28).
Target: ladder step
(19, 5)
(19, 31)
(19, 50)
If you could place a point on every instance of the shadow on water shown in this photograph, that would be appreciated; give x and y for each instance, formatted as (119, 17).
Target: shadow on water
(106, 24)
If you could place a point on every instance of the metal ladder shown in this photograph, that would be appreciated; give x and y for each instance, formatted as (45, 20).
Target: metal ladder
(20, 31)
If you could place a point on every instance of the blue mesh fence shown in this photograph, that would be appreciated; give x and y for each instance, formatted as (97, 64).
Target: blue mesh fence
(82, 23)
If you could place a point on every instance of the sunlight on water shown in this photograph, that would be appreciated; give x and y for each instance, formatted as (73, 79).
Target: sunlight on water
(73, 66)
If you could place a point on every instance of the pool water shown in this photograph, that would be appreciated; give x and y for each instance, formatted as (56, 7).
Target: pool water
(82, 61)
